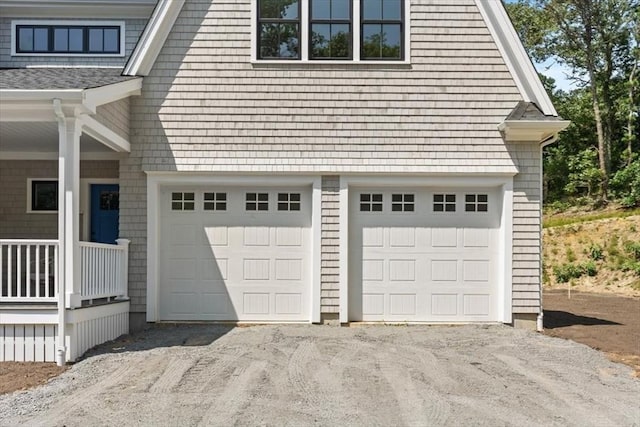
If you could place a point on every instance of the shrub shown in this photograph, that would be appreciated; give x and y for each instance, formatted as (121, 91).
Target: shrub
(596, 252)
(633, 249)
(571, 256)
(626, 184)
(590, 268)
(567, 272)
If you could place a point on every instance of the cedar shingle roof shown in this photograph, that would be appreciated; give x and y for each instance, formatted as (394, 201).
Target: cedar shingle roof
(59, 78)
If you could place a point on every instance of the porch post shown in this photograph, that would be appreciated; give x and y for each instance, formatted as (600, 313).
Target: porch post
(69, 208)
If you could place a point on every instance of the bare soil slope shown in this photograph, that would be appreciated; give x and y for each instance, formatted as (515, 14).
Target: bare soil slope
(602, 245)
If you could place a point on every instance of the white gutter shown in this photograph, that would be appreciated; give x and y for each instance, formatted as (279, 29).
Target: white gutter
(61, 353)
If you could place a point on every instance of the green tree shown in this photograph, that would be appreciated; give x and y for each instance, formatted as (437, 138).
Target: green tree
(597, 40)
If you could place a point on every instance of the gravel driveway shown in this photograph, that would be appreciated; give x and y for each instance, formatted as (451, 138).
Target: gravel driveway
(303, 375)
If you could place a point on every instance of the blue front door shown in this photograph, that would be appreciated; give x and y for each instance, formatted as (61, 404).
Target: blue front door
(105, 205)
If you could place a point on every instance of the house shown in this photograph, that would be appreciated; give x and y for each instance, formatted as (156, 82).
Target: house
(268, 161)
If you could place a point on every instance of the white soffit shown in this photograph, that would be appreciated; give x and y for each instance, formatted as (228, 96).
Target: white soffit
(153, 37)
(514, 54)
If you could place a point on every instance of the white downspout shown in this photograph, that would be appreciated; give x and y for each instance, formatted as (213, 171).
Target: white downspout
(61, 353)
(540, 318)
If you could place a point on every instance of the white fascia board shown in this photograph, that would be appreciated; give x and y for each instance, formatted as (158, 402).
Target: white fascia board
(114, 92)
(106, 136)
(30, 95)
(153, 37)
(514, 55)
(34, 106)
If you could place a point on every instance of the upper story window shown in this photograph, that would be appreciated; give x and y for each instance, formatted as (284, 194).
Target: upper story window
(330, 22)
(68, 38)
(382, 29)
(332, 30)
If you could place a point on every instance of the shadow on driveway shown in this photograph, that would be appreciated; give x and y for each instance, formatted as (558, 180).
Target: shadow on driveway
(560, 319)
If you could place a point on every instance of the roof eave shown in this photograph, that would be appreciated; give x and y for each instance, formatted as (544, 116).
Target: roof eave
(153, 37)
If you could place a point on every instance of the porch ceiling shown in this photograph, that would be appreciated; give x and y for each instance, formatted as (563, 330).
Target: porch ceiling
(40, 137)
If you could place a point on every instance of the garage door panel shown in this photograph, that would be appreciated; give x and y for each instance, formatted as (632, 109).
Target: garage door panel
(215, 304)
(402, 304)
(373, 304)
(214, 268)
(476, 270)
(216, 236)
(289, 236)
(477, 304)
(288, 303)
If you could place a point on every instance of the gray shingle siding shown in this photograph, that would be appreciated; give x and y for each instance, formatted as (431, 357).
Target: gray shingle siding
(206, 107)
(133, 29)
(116, 116)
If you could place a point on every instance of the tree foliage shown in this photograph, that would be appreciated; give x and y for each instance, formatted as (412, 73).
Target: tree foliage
(598, 41)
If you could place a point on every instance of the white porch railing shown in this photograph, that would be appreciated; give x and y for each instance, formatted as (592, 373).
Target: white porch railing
(104, 270)
(28, 270)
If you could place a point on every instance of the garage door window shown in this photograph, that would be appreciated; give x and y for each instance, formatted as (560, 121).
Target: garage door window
(182, 201)
(257, 201)
(370, 202)
(476, 203)
(444, 202)
(215, 201)
(403, 202)
(288, 201)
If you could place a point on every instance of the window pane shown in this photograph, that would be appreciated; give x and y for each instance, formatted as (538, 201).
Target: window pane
(111, 40)
(279, 40)
(321, 9)
(61, 39)
(76, 40)
(44, 195)
(391, 9)
(391, 41)
(320, 40)
(95, 40)
(371, 36)
(340, 9)
(372, 9)
(279, 9)
(41, 39)
(26, 39)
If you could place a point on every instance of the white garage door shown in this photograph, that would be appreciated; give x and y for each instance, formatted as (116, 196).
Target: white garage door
(423, 255)
(230, 253)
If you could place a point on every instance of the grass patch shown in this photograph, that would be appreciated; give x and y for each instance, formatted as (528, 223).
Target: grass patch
(568, 220)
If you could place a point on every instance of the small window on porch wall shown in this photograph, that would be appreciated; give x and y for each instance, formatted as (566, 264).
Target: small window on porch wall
(44, 196)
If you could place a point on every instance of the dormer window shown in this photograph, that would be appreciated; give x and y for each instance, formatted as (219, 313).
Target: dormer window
(68, 38)
(331, 30)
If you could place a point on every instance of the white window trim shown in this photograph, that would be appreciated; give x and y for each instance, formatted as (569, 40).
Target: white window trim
(120, 24)
(304, 39)
(30, 195)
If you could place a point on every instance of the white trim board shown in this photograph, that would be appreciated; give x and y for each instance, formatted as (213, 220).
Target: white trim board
(153, 37)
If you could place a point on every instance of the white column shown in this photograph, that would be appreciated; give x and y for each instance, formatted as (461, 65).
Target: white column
(69, 129)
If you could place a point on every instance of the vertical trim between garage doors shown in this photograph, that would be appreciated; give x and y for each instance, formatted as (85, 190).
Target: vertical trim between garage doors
(157, 179)
(505, 233)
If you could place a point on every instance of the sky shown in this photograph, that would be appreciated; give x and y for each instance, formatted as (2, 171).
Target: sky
(551, 68)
